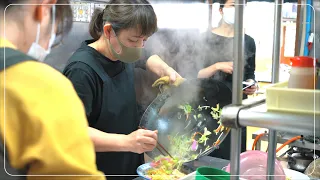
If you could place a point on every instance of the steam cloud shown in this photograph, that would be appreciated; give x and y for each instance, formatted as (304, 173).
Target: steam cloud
(187, 51)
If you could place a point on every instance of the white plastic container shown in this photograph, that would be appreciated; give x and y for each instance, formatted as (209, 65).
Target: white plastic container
(280, 98)
(302, 73)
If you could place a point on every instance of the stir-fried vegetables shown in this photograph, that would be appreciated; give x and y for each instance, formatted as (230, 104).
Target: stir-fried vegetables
(216, 113)
(202, 139)
(187, 108)
(180, 147)
(164, 168)
(168, 168)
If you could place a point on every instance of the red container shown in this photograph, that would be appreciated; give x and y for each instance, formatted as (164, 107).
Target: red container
(303, 73)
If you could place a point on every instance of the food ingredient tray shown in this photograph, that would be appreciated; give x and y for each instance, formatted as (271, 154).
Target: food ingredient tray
(281, 98)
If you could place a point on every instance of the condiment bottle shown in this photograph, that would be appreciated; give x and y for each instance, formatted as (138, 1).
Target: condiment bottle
(302, 73)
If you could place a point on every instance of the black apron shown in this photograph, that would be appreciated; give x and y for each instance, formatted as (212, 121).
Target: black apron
(118, 115)
(12, 57)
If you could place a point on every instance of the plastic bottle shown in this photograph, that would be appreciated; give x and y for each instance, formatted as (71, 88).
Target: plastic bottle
(302, 73)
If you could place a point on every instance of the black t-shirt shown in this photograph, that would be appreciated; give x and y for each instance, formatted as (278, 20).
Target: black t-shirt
(88, 84)
(211, 48)
(221, 50)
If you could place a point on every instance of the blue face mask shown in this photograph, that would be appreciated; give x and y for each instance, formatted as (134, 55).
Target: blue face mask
(36, 50)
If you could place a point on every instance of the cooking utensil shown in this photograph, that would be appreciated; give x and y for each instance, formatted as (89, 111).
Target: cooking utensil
(173, 125)
(299, 159)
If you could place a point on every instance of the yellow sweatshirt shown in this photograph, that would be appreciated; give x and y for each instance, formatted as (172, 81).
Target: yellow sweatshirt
(43, 123)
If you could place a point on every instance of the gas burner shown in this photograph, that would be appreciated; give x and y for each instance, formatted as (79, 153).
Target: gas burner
(312, 139)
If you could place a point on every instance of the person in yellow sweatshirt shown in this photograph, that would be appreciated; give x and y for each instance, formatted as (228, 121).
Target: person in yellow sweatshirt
(44, 131)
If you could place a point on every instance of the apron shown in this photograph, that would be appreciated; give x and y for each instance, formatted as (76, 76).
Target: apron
(118, 115)
(12, 57)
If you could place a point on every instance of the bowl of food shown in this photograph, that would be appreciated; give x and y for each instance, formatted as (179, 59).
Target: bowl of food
(162, 168)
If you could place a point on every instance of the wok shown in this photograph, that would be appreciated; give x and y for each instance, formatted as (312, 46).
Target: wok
(176, 132)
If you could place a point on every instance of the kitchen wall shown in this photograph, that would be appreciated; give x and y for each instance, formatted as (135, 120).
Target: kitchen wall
(71, 43)
(179, 27)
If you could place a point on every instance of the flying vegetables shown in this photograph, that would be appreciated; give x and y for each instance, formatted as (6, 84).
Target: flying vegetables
(187, 108)
(168, 168)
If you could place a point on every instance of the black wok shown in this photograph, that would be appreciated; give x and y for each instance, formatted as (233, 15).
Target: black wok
(164, 115)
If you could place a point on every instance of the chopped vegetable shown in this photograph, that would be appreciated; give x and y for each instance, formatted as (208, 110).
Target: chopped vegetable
(165, 167)
(194, 146)
(204, 138)
(218, 129)
(187, 109)
(203, 107)
(216, 112)
(195, 117)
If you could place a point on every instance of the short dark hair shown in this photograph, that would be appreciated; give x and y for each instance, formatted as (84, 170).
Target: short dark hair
(64, 14)
(123, 17)
(223, 2)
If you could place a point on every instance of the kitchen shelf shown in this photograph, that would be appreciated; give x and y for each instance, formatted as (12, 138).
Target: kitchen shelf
(257, 116)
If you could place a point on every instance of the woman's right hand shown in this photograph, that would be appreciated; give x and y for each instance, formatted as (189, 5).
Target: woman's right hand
(141, 140)
(226, 67)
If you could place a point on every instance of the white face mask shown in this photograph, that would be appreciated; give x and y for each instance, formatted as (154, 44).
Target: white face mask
(36, 50)
(229, 15)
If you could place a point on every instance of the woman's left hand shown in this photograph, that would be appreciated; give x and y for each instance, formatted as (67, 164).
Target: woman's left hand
(250, 90)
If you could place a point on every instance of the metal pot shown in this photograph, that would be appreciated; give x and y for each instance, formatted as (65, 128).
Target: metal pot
(299, 161)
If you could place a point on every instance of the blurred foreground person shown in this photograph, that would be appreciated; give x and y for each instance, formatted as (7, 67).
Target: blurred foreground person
(43, 123)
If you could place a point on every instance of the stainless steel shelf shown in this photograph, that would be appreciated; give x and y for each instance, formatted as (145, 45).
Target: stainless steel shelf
(257, 116)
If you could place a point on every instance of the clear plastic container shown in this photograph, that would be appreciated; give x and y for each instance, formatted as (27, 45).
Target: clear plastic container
(302, 73)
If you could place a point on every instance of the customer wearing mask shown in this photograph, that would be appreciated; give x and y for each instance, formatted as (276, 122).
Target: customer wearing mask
(101, 71)
(219, 62)
(43, 124)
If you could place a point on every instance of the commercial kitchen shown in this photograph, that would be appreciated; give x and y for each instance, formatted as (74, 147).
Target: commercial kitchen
(282, 116)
